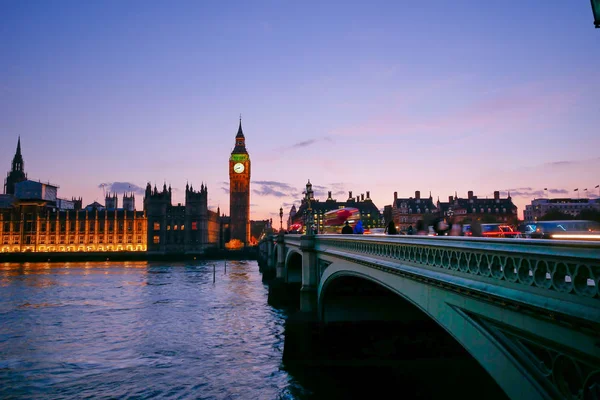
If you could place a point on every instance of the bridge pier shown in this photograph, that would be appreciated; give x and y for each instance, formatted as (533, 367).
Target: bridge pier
(308, 291)
(269, 270)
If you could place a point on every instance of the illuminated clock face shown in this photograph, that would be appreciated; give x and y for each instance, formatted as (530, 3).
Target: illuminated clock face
(238, 168)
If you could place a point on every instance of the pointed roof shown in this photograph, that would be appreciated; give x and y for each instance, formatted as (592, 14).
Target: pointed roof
(18, 158)
(240, 132)
(240, 141)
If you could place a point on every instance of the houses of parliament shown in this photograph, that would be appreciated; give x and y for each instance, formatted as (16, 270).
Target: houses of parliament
(33, 218)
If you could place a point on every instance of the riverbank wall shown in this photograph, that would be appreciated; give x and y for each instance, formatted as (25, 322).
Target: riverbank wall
(249, 253)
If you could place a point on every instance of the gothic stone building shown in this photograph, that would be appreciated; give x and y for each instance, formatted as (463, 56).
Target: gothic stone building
(239, 189)
(36, 225)
(189, 228)
(33, 220)
(369, 213)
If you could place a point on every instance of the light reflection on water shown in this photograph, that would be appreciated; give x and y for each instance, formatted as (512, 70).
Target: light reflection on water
(111, 330)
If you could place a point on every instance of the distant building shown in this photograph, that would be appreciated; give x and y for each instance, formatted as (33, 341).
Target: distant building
(6, 200)
(38, 226)
(497, 209)
(64, 204)
(370, 214)
(573, 207)
(291, 216)
(257, 228)
(189, 228)
(405, 212)
(34, 190)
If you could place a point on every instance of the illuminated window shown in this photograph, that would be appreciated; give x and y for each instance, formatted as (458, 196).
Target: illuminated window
(156, 239)
(168, 227)
(139, 239)
(194, 226)
(182, 227)
(139, 226)
(156, 227)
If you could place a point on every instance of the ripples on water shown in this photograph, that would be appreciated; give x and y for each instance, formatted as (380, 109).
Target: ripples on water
(107, 330)
(139, 330)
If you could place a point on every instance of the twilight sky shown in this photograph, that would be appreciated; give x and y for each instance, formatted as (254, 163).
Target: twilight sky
(437, 96)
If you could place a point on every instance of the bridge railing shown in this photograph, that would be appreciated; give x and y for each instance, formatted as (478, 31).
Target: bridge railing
(571, 267)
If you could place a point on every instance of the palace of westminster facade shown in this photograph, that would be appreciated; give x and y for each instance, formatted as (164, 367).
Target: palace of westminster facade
(34, 219)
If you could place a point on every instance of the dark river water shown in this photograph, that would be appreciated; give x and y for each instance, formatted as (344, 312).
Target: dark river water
(143, 330)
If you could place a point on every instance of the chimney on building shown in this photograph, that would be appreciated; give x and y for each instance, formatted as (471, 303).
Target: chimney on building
(496, 195)
(395, 196)
(470, 194)
(362, 197)
(350, 195)
(357, 199)
(417, 194)
(368, 195)
(450, 199)
(329, 195)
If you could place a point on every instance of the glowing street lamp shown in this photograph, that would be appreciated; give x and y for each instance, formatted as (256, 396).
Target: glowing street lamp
(596, 11)
(280, 218)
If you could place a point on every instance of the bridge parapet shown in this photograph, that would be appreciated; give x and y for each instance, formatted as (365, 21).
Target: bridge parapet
(554, 266)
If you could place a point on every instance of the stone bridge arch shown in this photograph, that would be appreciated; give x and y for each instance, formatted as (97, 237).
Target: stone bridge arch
(348, 292)
(293, 267)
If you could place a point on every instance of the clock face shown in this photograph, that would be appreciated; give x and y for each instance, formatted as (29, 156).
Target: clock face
(238, 168)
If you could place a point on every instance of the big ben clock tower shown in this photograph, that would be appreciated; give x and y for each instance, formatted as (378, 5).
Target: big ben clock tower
(239, 189)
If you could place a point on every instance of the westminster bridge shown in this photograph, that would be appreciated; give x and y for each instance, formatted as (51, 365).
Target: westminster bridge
(528, 311)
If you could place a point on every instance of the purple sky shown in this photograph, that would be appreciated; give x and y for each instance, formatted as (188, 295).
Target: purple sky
(442, 96)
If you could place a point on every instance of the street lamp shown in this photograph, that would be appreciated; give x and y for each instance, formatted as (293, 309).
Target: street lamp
(280, 218)
(596, 11)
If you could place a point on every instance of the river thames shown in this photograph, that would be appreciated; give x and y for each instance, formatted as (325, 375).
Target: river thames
(147, 330)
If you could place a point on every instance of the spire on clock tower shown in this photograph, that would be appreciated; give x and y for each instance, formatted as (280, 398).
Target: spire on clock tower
(240, 141)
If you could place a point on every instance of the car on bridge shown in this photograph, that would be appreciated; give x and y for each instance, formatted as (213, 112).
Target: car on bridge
(499, 231)
(563, 230)
(493, 230)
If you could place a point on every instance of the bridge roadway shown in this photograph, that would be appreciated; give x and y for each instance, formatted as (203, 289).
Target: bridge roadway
(527, 310)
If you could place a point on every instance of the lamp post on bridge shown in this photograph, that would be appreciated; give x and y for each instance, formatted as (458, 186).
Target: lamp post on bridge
(280, 219)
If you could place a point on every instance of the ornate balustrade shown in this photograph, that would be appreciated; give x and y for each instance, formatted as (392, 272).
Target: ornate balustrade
(560, 266)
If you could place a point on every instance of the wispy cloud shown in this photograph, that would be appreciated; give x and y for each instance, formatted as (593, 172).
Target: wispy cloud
(530, 192)
(121, 187)
(565, 163)
(303, 144)
(226, 190)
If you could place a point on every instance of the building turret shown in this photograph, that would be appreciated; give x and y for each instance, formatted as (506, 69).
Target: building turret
(17, 172)
(111, 201)
(77, 203)
(129, 201)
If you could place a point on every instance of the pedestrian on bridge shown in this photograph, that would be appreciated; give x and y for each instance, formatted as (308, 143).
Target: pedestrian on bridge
(391, 228)
(347, 229)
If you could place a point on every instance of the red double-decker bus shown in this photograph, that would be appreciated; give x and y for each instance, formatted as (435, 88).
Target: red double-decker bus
(334, 220)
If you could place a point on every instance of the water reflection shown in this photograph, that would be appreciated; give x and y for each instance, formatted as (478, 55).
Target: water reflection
(141, 330)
